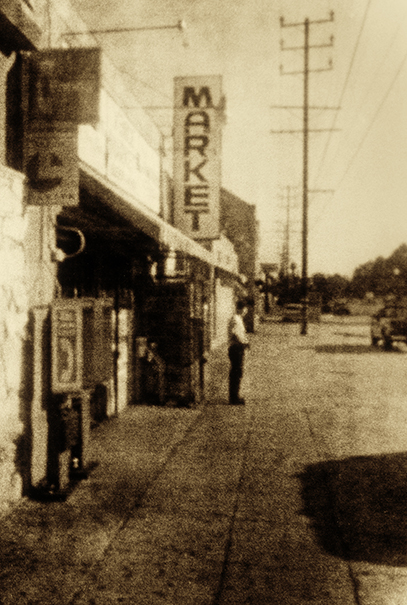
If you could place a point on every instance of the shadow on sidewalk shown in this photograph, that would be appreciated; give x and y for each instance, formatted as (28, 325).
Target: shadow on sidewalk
(354, 349)
(218, 401)
(358, 507)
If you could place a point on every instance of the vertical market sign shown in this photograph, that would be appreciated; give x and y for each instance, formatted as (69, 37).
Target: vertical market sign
(197, 155)
(61, 89)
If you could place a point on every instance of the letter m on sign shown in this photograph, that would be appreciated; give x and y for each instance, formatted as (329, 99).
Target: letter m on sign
(190, 95)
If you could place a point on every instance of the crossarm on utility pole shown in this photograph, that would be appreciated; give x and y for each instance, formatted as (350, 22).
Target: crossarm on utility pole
(306, 131)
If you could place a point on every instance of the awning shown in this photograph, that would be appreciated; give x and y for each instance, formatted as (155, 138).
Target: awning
(144, 219)
(119, 201)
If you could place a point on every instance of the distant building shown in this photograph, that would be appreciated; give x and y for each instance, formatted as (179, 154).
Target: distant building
(239, 224)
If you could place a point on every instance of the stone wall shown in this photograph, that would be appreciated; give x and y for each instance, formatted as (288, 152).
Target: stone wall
(13, 319)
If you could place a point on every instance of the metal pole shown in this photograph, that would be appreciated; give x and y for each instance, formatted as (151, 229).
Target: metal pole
(288, 231)
(304, 284)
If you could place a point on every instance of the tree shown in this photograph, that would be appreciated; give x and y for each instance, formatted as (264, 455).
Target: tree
(382, 276)
(330, 287)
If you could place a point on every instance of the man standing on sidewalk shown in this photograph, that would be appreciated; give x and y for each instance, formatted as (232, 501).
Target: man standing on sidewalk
(238, 342)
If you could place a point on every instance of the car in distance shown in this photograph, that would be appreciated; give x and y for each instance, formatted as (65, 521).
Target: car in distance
(291, 312)
(336, 308)
(389, 324)
(339, 308)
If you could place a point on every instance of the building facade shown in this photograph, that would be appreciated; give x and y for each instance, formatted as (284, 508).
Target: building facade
(20, 30)
(107, 304)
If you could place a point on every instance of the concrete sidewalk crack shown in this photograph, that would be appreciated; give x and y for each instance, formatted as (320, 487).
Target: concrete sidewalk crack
(137, 503)
(228, 545)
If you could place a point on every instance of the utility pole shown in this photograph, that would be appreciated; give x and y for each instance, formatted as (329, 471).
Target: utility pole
(305, 131)
(287, 232)
(304, 274)
(286, 250)
(287, 235)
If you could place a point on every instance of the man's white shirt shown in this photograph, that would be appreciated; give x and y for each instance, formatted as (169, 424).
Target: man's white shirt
(237, 330)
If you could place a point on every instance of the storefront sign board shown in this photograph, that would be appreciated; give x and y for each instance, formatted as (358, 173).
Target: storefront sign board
(61, 85)
(51, 167)
(197, 155)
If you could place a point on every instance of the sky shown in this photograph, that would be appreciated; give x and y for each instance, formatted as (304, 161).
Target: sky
(357, 167)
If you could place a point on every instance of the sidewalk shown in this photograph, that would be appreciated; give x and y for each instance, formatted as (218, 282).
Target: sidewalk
(186, 507)
(50, 551)
(47, 550)
(191, 507)
(297, 497)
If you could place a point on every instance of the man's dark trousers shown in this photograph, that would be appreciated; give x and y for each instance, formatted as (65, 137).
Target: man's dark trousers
(236, 356)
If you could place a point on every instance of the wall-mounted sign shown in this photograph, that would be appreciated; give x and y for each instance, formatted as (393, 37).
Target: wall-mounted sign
(61, 89)
(61, 85)
(198, 112)
(67, 347)
(51, 167)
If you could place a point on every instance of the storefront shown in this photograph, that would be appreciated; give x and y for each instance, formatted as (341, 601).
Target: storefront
(120, 304)
(158, 285)
(145, 295)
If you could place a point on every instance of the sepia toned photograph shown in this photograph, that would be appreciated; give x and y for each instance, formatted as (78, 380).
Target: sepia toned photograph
(203, 302)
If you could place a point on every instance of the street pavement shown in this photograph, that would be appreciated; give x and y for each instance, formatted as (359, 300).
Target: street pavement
(298, 497)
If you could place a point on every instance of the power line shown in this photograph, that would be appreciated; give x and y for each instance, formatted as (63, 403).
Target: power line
(180, 25)
(374, 118)
(362, 103)
(345, 85)
(367, 130)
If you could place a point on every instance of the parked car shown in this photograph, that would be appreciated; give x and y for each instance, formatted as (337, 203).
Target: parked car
(389, 324)
(291, 312)
(340, 309)
(336, 308)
